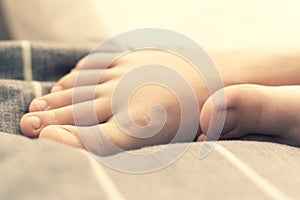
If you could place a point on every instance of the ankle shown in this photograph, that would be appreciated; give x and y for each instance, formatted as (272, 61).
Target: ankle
(258, 66)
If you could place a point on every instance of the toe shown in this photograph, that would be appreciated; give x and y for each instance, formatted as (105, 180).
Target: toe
(100, 139)
(64, 98)
(82, 114)
(81, 78)
(108, 138)
(97, 61)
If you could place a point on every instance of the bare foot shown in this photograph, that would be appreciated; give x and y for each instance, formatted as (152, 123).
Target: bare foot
(255, 109)
(52, 116)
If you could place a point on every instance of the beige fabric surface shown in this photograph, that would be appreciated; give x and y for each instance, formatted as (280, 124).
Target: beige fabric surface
(234, 170)
(42, 169)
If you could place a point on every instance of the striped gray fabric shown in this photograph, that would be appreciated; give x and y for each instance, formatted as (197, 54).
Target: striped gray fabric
(48, 61)
(42, 169)
(27, 70)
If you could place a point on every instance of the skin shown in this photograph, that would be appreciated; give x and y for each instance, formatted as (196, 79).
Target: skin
(266, 111)
(243, 72)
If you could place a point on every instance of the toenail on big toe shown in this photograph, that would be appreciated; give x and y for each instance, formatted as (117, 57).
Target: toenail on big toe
(35, 122)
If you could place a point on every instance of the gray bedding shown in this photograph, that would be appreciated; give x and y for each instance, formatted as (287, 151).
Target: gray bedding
(43, 169)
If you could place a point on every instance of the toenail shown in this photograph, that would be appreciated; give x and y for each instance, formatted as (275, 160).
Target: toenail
(41, 104)
(57, 88)
(35, 122)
